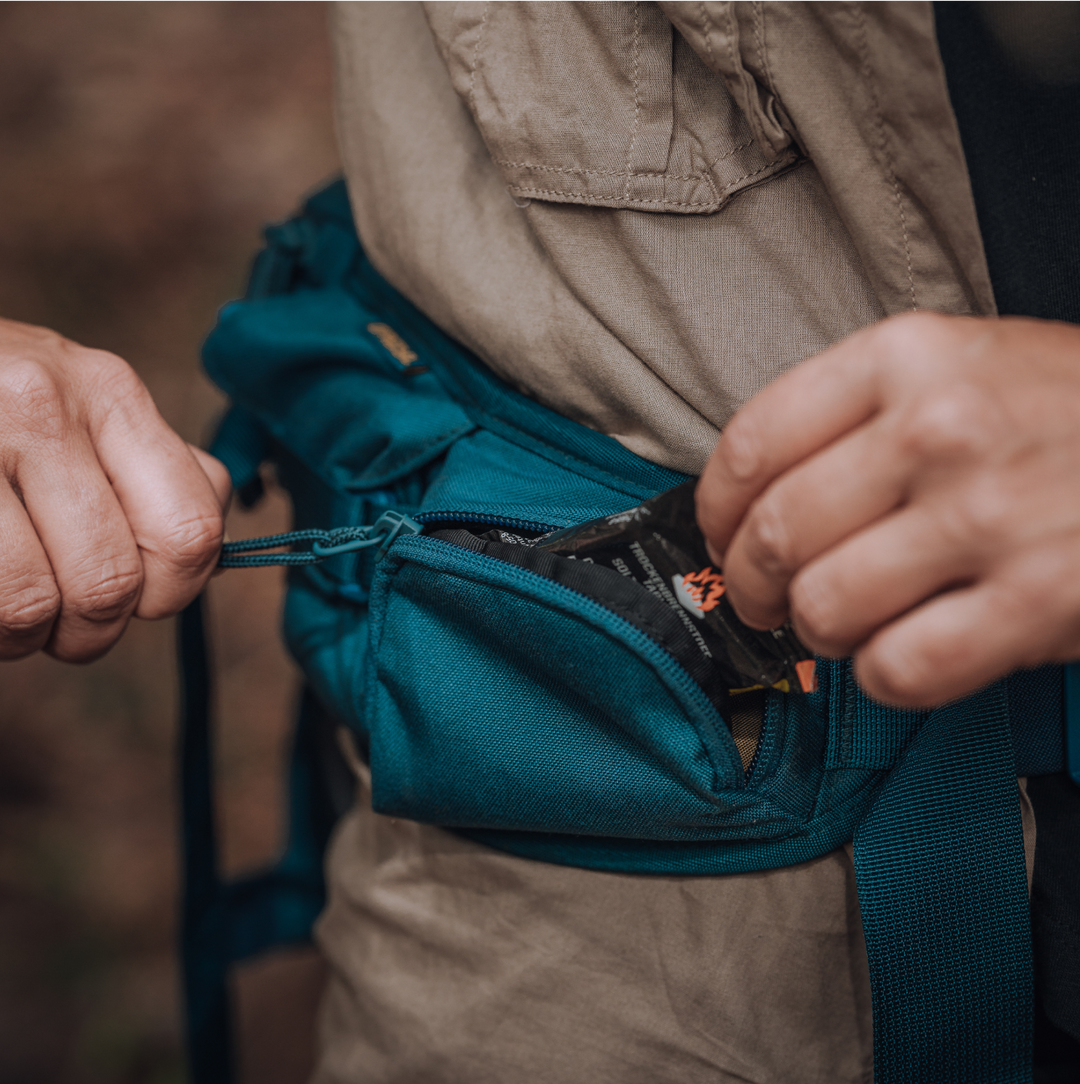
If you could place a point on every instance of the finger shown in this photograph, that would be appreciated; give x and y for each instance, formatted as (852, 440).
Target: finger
(85, 535)
(840, 599)
(811, 406)
(173, 510)
(958, 642)
(29, 597)
(793, 418)
(808, 510)
(217, 473)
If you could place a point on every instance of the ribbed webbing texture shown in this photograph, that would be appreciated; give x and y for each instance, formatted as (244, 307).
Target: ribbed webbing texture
(939, 863)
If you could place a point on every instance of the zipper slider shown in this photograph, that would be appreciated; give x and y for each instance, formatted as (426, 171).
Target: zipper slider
(392, 525)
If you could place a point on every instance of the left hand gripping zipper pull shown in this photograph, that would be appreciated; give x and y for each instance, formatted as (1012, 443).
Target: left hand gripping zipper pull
(245, 553)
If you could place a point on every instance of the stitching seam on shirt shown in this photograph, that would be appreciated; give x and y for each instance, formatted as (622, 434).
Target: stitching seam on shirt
(604, 199)
(706, 32)
(665, 203)
(733, 30)
(747, 176)
(635, 49)
(762, 48)
(728, 154)
(476, 56)
(879, 123)
(620, 172)
(595, 172)
(628, 199)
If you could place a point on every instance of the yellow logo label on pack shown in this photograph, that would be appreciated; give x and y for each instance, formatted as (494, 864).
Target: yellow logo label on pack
(394, 343)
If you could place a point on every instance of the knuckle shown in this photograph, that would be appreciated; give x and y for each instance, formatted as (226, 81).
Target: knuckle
(1037, 586)
(957, 423)
(769, 544)
(818, 618)
(110, 370)
(20, 340)
(895, 678)
(117, 390)
(741, 449)
(189, 544)
(978, 515)
(107, 598)
(32, 397)
(28, 608)
(913, 339)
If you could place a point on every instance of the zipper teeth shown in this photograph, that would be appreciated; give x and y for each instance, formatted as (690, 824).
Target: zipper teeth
(475, 517)
(749, 771)
(668, 664)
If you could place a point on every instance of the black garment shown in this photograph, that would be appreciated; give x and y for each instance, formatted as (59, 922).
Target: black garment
(1022, 144)
(1056, 921)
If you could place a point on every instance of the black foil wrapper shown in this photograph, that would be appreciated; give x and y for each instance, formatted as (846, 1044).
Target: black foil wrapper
(649, 564)
(659, 546)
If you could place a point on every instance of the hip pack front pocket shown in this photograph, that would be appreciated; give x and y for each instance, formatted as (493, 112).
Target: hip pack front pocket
(496, 698)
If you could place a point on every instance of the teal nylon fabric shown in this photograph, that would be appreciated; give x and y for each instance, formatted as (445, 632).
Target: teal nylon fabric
(484, 472)
(508, 708)
(939, 863)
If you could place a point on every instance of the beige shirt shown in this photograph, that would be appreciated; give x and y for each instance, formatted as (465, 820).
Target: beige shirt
(452, 963)
(641, 214)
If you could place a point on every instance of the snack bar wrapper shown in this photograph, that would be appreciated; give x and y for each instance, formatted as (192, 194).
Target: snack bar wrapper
(650, 565)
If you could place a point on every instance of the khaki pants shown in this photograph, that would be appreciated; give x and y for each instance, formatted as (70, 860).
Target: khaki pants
(455, 964)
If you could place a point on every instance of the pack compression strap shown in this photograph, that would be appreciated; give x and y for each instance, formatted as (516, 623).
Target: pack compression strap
(246, 553)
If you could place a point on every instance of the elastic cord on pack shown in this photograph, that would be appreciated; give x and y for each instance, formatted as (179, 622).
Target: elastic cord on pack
(246, 552)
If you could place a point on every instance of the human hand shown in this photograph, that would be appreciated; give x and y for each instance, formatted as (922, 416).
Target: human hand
(911, 497)
(105, 512)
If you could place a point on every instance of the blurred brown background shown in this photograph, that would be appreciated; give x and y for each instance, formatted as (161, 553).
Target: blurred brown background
(142, 145)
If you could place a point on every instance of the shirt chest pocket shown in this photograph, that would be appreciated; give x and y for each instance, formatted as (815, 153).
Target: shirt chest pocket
(599, 103)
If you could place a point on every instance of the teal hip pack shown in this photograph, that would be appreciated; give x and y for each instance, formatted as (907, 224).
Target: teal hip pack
(510, 708)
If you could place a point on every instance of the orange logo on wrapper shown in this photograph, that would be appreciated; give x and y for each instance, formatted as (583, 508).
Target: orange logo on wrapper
(699, 591)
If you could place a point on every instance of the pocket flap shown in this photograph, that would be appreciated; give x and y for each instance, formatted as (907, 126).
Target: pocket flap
(601, 104)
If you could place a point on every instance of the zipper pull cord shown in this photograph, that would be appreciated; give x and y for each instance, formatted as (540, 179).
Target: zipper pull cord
(245, 552)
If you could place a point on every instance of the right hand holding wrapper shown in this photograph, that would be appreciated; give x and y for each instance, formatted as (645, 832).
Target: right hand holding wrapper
(911, 497)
